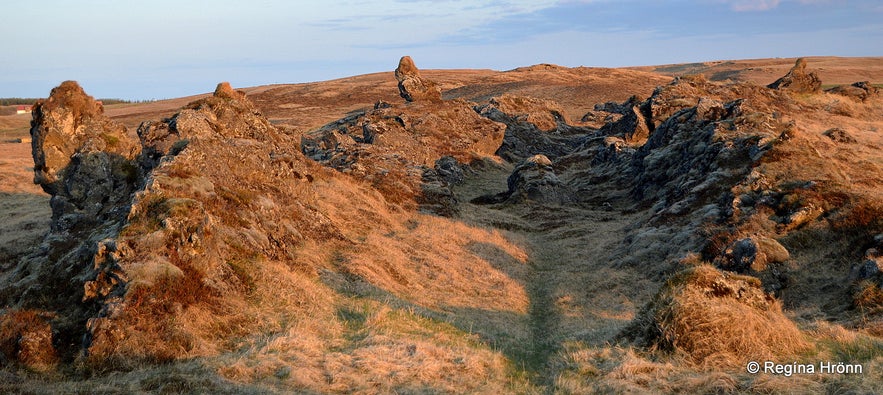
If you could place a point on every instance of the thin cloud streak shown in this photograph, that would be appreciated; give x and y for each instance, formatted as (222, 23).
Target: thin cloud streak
(753, 5)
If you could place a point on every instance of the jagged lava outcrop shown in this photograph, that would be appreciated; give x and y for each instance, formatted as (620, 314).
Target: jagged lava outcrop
(145, 225)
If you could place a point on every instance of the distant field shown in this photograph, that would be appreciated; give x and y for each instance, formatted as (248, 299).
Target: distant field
(833, 71)
(14, 126)
(14, 101)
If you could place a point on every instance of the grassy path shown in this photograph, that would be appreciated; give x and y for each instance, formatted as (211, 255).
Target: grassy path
(575, 294)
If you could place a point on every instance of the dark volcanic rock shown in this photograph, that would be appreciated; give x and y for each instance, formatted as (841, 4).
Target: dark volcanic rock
(393, 146)
(598, 119)
(632, 127)
(437, 197)
(91, 167)
(533, 127)
(619, 108)
(798, 80)
(610, 113)
(413, 87)
(613, 149)
(869, 268)
(859, 90)
(535, 180)
(137, 217)
(87, 162)
(70, 135)
(449, 170)
(839, 135)
(691, 154)
(753, 253)
(546, 115)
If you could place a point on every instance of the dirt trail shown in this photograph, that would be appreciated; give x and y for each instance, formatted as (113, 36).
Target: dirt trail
(576, 294)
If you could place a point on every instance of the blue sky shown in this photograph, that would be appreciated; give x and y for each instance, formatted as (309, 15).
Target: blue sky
(163, 48)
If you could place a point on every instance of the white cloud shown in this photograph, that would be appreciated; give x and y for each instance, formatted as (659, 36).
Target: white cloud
(764, 5)
(403, 22)
(752, 5)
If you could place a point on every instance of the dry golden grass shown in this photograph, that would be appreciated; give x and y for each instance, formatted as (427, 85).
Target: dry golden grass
(868, 297)
(582, 369)
(25, 337)
(831, 70)
(431, 264)
(367, 347)
(432, 261)
(24, 206)
(616, 370)
(14, 126)
(720, 320)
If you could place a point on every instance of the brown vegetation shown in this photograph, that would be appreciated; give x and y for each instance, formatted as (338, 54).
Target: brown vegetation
(285, 238)
(718, 320)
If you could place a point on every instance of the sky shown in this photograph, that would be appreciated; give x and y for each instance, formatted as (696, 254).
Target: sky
(143, 50)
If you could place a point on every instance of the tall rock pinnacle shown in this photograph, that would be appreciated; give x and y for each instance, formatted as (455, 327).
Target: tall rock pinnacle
(412, 87)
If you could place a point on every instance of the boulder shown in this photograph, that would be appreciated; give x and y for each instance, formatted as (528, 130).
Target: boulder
(619, 108)
(752, 253)
(546, 115)
(869, 268)
(412, 87)
(535, 180)
(449, 170)
(86, 161)
(225, 91)
(437, 197)
(800, 217)
(626, 120)
(859, 90)
(839, 135)
(597, 119)
(798, 80)
(709, 109)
